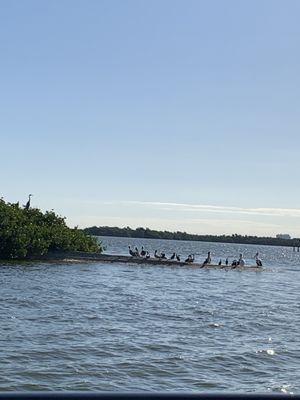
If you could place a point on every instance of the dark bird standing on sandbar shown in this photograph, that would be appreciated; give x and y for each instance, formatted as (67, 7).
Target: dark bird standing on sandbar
(156, 255)
(27, 205)
(190, 258)
(132, 253)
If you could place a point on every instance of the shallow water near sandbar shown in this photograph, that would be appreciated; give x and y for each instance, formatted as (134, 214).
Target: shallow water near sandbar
(118, 327)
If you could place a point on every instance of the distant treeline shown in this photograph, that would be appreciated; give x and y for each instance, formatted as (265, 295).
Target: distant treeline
(153, 234)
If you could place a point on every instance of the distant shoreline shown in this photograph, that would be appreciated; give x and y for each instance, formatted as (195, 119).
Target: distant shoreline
(146, 233)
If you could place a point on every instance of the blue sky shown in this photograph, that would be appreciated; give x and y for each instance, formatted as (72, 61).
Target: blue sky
(180, 115)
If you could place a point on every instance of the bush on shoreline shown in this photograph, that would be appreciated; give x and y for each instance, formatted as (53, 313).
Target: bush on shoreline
(32, 233)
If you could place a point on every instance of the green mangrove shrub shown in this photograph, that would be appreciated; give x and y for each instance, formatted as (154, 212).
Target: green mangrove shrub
(27, 233)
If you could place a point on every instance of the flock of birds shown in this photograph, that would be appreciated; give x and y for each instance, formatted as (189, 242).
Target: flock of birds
(190, 259)
(161, 256)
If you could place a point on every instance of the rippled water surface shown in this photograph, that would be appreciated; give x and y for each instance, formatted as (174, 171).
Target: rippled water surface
(93, 326)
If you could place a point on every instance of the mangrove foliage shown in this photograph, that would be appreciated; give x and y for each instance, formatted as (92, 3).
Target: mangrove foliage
(30, 233)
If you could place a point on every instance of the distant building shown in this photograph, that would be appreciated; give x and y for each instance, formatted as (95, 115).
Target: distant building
(283, 236)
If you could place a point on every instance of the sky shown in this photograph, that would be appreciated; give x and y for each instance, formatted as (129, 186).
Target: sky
(167, 114)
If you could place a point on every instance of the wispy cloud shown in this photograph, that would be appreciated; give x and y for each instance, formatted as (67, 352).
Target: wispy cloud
(279, 212)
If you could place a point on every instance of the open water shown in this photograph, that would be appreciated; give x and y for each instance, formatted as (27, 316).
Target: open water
(93, 326)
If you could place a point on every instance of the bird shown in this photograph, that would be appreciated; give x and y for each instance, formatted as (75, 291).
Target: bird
(156, 255)
(27, 205)
(177, 257)
(143, 252)
(190, 258)
(173, 256)
(132, 253)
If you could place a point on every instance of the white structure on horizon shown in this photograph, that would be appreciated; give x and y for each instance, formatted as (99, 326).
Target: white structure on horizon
(283, 236)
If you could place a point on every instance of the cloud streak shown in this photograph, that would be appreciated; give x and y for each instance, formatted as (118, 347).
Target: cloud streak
(273, 212)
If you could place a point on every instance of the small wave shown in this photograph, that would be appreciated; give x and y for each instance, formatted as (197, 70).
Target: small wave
(270, 352)
(215, 325)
